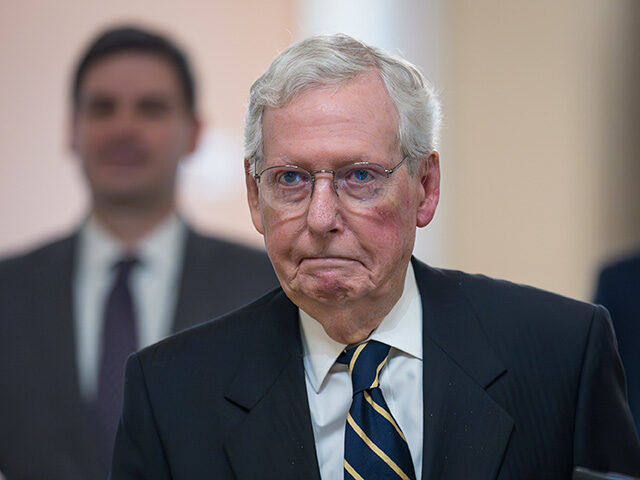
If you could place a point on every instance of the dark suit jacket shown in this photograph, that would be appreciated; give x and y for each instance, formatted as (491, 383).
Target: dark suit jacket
(46, 431)
(619, 290)
(518, 384)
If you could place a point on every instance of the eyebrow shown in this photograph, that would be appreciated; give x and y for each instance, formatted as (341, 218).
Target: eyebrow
(105, 94)
(156, 99)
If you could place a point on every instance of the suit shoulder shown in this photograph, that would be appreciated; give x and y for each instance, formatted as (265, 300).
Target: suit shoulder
(227, 264)
(621, 269)
(221, 335)
(527, 326)
(224, 251)
(213, 243)
(42, 256)
(616, 289)
(506, 304)
(507, 289)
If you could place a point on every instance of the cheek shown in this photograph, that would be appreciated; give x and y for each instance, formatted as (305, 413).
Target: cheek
(391, 231)
(280, 232)
(87, 138)
(166, 139)
(388, 223)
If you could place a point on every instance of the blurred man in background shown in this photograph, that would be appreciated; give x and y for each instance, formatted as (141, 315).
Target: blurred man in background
(132, 273)
(619, 290)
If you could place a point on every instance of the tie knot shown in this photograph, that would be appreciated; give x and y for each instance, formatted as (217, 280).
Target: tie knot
(365, 364)
(124, 266)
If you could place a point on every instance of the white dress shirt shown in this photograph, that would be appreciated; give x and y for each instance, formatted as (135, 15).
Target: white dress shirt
(153, 282)
(329, 389)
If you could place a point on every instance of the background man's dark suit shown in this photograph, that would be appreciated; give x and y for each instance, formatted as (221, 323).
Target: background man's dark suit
(46, 431)
(619, 290)
(518, 384)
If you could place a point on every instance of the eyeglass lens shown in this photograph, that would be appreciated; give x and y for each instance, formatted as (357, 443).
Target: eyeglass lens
(357, 185)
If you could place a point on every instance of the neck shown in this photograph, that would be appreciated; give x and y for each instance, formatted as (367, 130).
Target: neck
(130, 225)
(350, 324)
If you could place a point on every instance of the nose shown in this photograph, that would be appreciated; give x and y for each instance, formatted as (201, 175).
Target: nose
(124, 123)
(323, 214)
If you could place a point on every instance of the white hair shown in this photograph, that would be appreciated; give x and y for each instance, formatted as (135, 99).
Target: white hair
(335, 59)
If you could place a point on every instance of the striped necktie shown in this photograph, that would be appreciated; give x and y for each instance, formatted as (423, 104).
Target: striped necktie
(374, 446)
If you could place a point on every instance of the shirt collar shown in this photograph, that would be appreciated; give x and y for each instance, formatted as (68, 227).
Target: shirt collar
(160, 249)
(401, 329)
(100, 249)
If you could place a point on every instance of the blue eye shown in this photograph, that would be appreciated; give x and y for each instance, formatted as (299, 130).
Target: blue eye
(290, 178)
(362, 175)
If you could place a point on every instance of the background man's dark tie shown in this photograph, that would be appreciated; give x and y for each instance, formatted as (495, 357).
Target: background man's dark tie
(119, 340)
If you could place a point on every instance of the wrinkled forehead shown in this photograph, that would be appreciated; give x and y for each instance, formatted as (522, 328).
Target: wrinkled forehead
(367, 86)
(356, 121)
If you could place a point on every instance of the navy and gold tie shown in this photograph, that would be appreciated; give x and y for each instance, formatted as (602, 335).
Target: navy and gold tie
(374, 445)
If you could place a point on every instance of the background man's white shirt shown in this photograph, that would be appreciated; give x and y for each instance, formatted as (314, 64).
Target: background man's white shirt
(329, 387)
(153, 283)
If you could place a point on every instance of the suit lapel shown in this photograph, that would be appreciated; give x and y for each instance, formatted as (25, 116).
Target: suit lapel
(53, 332)
(465, 430)
(53, 327)
(189, 307)
(270, 387)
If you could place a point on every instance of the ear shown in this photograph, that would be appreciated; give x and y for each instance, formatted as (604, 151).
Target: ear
(253, 197)
(194, 134)
(430, 189)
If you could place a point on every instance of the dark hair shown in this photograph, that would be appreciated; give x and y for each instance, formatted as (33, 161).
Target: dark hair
(129, 38)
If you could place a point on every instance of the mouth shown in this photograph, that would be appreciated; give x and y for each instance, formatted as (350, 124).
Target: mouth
(328, 261)
(123, 156)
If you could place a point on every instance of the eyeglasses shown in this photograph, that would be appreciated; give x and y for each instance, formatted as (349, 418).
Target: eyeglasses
(360, 184)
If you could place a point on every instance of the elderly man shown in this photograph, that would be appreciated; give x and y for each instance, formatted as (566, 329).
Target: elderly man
(368, 363)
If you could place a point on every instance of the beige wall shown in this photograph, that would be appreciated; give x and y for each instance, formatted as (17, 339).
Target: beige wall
(41, 192)
(540, 131)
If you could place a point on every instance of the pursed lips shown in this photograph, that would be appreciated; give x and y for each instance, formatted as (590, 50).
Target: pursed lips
(328, 260)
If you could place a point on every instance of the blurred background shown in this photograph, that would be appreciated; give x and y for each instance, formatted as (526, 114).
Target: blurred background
(540, 149)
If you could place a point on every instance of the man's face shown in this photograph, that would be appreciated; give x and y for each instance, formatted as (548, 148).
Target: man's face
(131, 127)
(330, 254)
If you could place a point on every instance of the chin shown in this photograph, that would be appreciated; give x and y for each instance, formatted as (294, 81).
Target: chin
(333, 290)
(328, 285)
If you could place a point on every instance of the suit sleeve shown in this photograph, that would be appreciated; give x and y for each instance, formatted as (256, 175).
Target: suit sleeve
(605, 437)
(138, 451)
